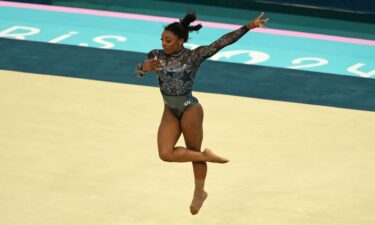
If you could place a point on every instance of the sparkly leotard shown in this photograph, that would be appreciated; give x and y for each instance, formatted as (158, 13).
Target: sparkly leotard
(179, 69)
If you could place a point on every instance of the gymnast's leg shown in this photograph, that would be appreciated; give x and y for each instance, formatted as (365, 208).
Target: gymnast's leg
(168, 135)
(192, 128)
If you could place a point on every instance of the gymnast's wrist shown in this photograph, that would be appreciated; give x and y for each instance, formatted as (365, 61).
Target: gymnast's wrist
(143, 70)
(250, 26)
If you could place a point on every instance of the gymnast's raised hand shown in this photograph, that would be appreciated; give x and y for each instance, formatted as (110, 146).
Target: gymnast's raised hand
(258, 22)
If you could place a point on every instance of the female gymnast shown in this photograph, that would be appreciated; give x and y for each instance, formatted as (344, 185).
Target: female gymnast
(176, 68)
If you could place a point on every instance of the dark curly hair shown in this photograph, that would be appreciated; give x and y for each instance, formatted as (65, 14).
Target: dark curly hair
(181, 29)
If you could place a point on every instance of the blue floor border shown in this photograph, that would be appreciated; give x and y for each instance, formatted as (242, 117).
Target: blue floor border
(214, 77)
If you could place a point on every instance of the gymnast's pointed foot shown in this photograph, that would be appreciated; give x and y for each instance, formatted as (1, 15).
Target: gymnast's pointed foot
(197, 202)
(214, 158)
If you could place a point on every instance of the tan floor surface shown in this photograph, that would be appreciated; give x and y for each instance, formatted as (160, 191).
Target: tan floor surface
(83, 152)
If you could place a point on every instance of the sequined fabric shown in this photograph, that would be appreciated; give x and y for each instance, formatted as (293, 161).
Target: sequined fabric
(179, 69)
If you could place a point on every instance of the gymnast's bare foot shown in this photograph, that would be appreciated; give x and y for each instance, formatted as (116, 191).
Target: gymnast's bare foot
(197, 202)
(214, 158)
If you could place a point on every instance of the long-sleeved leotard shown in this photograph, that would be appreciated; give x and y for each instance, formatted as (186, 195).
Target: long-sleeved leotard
(178, 70)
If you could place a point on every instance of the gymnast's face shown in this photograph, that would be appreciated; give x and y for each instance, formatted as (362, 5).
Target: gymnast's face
(171, 43)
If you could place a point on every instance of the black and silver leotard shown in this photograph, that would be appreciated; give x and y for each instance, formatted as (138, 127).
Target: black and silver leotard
(179, 69)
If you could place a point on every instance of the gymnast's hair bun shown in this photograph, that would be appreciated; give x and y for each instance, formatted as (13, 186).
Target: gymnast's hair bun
(188, 19)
